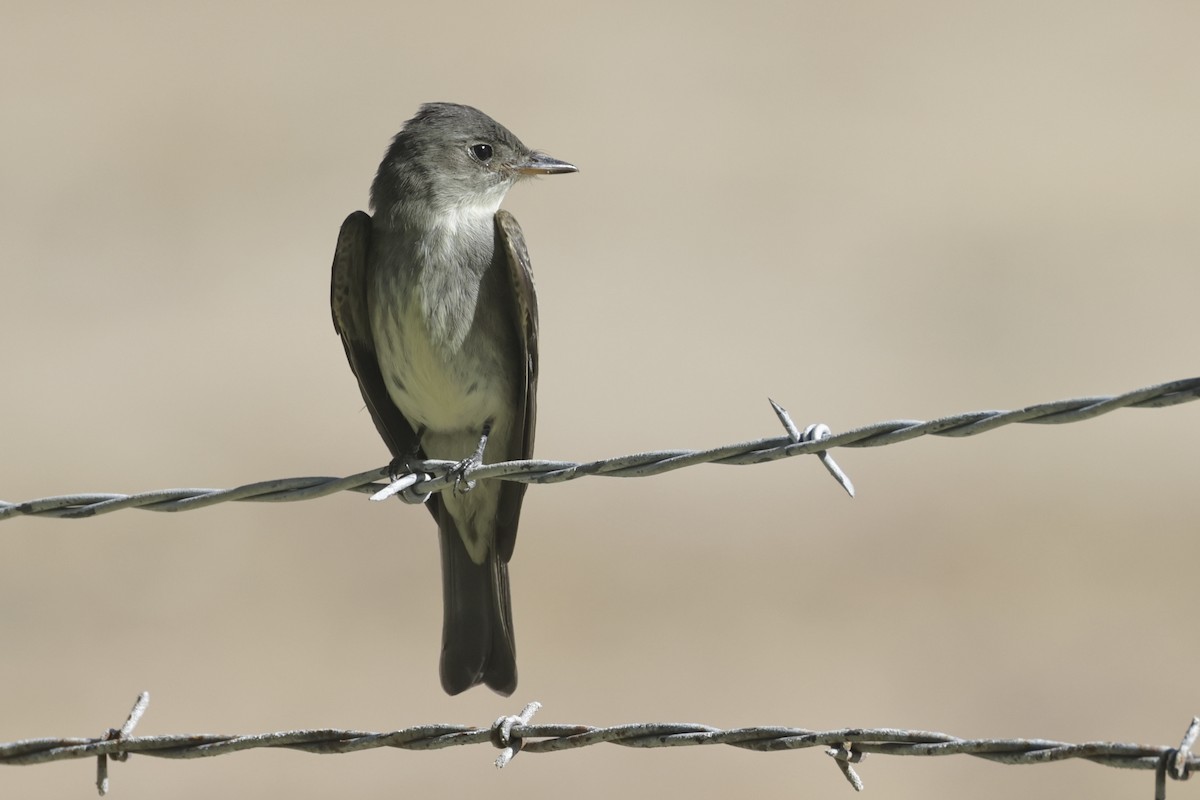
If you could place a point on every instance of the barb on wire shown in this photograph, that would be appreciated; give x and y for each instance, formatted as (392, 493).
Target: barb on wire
(116, 734)
(817, 432)
(1177, 763)
(845, 756)
(512, 734)
(509, 744)
(436, 474)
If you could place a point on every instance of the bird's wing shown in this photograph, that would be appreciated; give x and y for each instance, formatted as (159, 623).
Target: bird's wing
(521, 279)
(351, 319)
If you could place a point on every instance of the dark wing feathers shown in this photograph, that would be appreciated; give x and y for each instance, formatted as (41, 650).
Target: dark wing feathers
(351, 318)
(521, 279)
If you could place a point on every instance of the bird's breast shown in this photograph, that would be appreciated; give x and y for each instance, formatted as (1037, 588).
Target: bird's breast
(440, 354)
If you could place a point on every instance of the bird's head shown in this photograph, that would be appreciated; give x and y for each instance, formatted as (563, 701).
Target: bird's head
(452, 158)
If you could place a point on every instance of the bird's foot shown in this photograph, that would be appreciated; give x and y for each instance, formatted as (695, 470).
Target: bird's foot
(473, 461)
(460, 470)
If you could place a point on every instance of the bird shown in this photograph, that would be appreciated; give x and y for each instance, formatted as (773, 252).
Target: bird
(432, 295)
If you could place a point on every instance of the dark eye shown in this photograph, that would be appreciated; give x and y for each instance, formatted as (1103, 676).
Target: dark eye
(482, 152)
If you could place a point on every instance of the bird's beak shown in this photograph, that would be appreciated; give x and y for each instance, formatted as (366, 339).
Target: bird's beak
(542, 164)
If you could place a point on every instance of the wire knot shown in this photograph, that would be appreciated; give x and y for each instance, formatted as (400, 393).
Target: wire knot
(402, 484)
(1176, 762)
(502, 733)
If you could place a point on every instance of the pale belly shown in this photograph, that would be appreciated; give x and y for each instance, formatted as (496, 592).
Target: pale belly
(439, 387)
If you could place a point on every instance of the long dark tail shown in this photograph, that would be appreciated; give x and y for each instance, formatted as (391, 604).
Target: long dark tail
(477, 631)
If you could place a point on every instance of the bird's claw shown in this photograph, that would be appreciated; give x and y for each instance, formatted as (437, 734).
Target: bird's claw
(460, 470)
(398, 468)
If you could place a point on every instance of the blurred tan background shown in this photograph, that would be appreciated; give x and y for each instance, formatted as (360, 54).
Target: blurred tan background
(866, 211)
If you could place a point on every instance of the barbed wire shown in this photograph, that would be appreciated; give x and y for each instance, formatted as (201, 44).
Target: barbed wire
(514, 734)
(433, 476)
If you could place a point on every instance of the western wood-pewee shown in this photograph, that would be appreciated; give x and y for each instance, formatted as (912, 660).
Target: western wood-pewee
(433, 298)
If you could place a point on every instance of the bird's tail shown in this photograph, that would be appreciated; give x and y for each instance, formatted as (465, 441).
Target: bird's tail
(477, 632)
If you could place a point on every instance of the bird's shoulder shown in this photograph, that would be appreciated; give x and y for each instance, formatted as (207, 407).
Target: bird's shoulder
(520, 271)
(347, 298)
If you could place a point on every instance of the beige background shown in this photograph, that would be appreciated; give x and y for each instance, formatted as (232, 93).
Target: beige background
(864, 210)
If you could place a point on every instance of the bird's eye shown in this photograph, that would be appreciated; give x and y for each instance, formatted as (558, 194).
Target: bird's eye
(482, 152)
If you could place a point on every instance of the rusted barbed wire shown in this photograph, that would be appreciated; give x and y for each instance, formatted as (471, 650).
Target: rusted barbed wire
(514, 734)
(438, 475)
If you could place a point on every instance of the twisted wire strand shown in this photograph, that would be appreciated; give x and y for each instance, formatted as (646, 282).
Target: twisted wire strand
(513, 734)
(637, 465)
